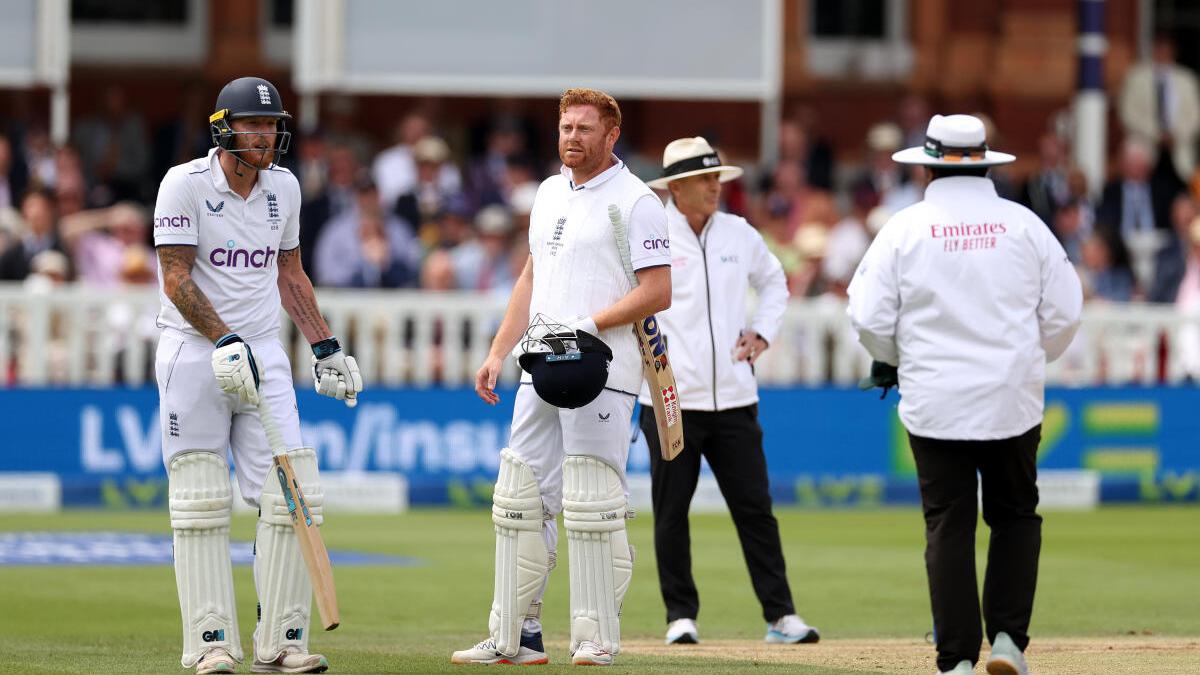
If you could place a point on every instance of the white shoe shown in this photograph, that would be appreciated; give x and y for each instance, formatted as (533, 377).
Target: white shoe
(292, 660)
(1006, 659)
(216, 660)
(591, 654)
(485, 654)
(682, 632)
(791, 630)
(964, 667)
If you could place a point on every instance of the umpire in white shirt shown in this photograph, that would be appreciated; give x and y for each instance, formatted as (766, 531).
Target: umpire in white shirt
(716, 258)
(970, 295)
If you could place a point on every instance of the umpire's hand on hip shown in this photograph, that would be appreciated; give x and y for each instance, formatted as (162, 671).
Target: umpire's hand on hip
(234, 368)
(334, 373)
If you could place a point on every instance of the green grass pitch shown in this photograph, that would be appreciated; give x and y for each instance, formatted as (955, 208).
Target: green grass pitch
(855, 574)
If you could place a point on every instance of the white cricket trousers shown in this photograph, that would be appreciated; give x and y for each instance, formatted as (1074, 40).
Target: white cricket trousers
(196, 415)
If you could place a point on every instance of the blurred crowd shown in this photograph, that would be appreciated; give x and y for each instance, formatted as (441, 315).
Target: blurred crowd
(448, 209)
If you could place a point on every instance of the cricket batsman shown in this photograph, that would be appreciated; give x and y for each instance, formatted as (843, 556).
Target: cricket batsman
(567, 451)
(227, 228)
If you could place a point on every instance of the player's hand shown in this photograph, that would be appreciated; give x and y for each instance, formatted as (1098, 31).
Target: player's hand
(485, 380)
(749, 347)
(334, 373)
(234, 368)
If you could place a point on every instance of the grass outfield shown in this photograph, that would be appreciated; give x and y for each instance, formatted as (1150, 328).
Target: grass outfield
(858, 575)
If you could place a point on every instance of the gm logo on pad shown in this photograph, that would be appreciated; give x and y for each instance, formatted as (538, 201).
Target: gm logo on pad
(213, 635)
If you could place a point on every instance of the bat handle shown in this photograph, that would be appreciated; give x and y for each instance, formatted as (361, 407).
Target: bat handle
(274, 438)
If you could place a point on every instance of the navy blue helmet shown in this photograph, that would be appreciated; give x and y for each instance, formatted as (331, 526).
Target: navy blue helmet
(569, 367)
(248, 97)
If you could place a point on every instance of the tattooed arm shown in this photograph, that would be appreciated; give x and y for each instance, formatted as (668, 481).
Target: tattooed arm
(176, 263)
(296, 292)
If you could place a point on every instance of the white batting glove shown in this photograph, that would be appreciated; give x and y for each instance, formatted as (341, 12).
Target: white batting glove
(234, 368)
(334, 373)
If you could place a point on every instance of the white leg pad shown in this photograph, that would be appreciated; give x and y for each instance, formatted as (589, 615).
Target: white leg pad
(284, 589)
(522, 560)
(201, 498)
(594, 510)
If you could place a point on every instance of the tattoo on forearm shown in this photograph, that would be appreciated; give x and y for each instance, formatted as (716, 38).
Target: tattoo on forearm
(192, 303)
(298, 297)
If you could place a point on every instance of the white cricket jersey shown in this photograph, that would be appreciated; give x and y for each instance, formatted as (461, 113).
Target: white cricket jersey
(237, 240)
(577, 270)
(970, 294)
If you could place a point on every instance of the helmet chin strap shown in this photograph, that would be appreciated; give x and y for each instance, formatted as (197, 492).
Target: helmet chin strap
(237, 168)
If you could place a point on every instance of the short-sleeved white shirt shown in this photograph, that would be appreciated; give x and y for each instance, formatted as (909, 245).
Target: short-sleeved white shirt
(237, 240)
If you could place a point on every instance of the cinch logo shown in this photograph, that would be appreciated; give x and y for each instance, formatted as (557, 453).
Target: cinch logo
(213, 635)
(240, 257)
(658, 345)
(293, 633)
(173, 221)
(653, 244)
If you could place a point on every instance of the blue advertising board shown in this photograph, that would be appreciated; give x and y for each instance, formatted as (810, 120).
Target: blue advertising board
(824, 446)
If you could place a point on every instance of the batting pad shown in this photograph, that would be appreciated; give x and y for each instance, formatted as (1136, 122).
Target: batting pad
(594, 509)
(522, 560)
(284, 589)
(200, 501)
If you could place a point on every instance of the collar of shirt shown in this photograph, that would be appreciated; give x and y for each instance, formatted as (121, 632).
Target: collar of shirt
(673, 212)
(598, 180)
(956, 187)
(221, 183)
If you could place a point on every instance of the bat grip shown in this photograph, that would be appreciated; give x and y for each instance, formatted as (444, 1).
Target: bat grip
(274, 438)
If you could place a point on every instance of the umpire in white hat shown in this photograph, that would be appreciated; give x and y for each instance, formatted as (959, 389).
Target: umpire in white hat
(969, 295)
(716, 259)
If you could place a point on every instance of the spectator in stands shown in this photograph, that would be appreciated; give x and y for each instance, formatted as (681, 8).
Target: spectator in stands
(11, 175)
(1067, 225)
(1001, 176)
(108, 245)
(366, 246)
(484, 263)
(430, 194)
(395, 169)
(881, 174)
(849, 238)
(437, 272)
(1135, 210)
(39, 233)
(40, 157)
(312, 164)
(772, 223)
(1077, 187)
(115, 150)
(1170, 264)
(810, 242)
(186, 135)
(337, 197)
(913, 116)
(488, 173)
(811, 157)
(1160, 101)
(804, 202)
(1047, 189)
(1105, 280)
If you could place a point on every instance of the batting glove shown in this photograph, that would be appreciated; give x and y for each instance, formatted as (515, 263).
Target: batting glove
(234, 368)
(334, 373)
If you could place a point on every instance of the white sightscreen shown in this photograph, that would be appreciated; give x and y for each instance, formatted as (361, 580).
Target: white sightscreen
(650, 48)
(33, 42)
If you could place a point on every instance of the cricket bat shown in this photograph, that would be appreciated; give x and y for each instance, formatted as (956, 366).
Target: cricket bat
(656, 366)
(312, 546)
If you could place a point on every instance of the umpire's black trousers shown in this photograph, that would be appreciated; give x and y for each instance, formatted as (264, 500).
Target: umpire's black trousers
(731, 441)
(946, 471)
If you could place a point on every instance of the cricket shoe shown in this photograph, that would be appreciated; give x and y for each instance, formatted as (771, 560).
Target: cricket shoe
(529, 653)
(292, 660)
(216, 660)
(682, 632)
(589, 653)
(791, 630)
(964, 667)
(1006, 659)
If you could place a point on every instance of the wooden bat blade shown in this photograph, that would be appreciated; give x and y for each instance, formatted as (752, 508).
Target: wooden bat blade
(312, 546)
(664, 394)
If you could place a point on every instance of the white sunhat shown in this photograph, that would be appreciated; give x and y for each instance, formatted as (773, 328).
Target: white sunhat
(955, 141)
(685, 157)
